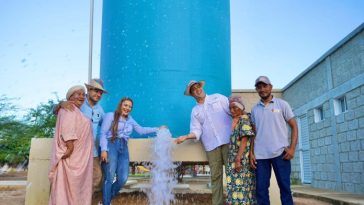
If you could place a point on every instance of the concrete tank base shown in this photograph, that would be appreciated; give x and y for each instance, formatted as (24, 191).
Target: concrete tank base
(38, 187)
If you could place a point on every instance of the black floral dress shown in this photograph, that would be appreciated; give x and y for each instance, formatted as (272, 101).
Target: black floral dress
(240, 185)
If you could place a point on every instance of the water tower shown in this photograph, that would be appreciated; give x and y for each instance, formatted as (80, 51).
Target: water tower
(152, 48)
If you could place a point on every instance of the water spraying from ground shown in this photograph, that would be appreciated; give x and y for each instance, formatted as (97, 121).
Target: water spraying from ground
(162, 170)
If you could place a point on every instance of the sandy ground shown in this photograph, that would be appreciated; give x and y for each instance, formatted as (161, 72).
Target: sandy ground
(12, 197)
(16, 196)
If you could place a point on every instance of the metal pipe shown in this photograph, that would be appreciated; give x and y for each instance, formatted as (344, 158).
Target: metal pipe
(90, 40)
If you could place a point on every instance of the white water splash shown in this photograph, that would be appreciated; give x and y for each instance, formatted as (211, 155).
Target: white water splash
(162, 170)
(4, 169)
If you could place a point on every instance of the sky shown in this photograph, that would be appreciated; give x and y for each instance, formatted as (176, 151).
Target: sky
(45, 44)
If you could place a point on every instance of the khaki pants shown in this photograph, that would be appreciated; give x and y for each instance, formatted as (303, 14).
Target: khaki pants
(97, 175)
(217, 158)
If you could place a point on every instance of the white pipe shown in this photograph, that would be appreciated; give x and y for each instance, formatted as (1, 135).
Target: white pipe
(90, 40)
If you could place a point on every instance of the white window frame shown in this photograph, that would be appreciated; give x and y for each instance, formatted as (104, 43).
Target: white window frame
(319, 113)
(340, 105)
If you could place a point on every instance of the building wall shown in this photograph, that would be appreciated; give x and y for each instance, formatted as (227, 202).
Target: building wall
(309, 87)
(350, 134)
(347, 62)
(336, 144)
(322, 151)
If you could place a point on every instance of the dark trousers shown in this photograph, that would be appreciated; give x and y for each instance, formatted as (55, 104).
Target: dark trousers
(282, 170)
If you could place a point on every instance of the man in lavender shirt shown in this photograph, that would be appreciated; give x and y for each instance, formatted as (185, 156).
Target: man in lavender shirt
(271, 148)
(210, 123)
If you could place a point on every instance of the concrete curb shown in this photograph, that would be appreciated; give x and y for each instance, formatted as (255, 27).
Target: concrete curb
(335, 198)
(322, 198)
(12, 185)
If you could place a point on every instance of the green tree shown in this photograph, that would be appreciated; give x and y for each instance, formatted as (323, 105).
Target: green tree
(16, 134)
(42, 120)
(13, 137)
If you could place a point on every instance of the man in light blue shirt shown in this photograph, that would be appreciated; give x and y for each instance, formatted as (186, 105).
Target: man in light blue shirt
(95, 112)
(271, 147)
(210, 123)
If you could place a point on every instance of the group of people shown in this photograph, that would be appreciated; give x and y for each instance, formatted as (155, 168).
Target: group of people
(249, 145)
(83, 131)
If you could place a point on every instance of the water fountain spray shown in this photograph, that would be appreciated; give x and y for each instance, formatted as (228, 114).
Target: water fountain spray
(162, 170)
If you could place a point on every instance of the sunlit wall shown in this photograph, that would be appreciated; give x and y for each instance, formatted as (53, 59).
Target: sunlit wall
(151, 49)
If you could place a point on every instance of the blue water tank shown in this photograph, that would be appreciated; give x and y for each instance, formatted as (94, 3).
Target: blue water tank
(151, 49)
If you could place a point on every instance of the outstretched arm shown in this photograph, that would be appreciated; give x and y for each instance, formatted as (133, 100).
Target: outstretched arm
(68, 105)
(183, 138)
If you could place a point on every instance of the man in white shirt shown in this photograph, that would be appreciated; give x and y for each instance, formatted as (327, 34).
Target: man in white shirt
(210, 123)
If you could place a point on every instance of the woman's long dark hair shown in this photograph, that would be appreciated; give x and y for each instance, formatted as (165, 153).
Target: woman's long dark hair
(117, 113)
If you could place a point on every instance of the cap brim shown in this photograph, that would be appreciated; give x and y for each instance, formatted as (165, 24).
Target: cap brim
(261, 82)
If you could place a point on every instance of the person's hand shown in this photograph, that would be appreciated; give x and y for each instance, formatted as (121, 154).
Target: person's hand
(67, 105)
(238, 163)
(69, 150)
(180, 139)
(289, 153)
(252, 160)
(103, 156)
(67, 154)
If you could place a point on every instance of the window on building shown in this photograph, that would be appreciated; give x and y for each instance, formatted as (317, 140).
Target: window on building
(319, 114)
(340, 105)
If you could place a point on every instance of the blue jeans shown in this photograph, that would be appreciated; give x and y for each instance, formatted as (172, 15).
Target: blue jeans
(282, 170)
(117, 166)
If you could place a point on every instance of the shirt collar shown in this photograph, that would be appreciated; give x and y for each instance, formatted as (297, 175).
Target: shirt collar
(126, 119)
(88, 103)
(271, 101)
(206, 99)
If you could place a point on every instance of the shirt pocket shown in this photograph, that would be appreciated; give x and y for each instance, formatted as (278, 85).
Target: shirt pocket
(96, 117)
(200, 117)
(215, 106)
(128, 129)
